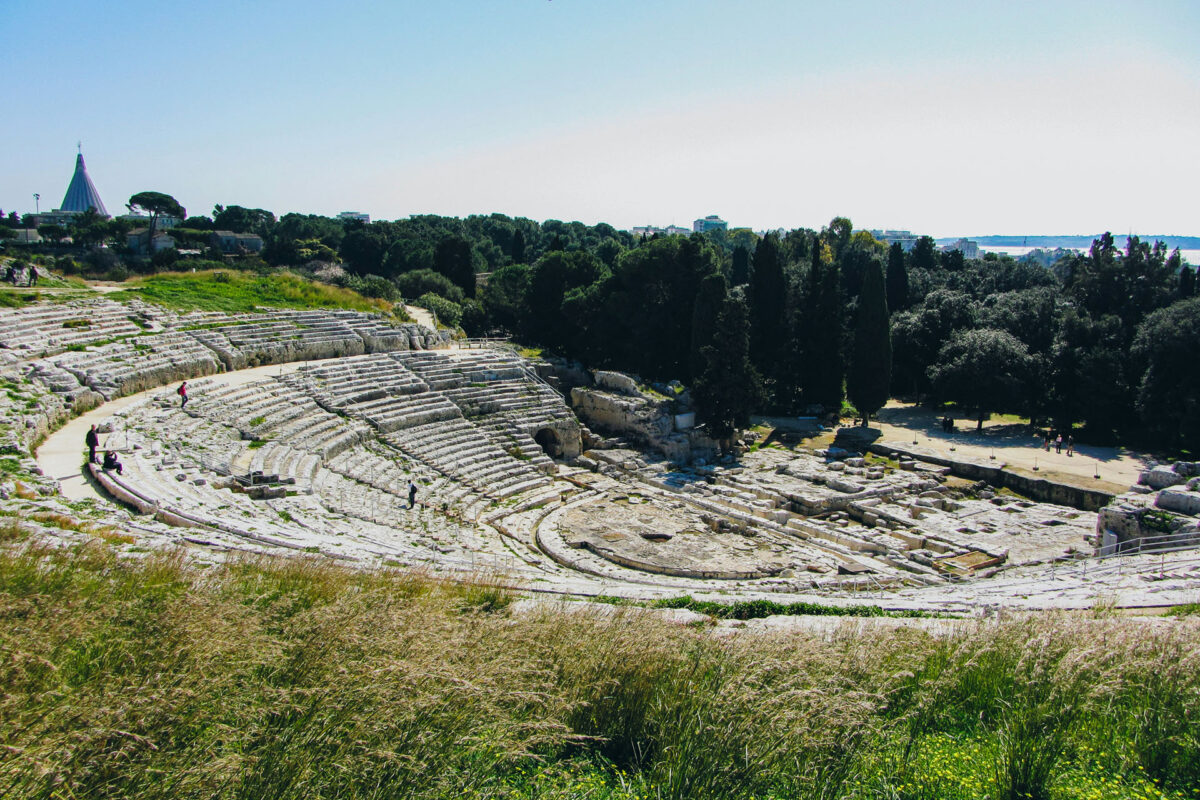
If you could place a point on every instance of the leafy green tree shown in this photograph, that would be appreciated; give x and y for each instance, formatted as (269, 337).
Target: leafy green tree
(446, 312)
(1168, 398)
(551, 279)
(425, 281)
(728, 388)
(89, 228)
(453, 258)
(897, 279)
(870, 374)
(1088, 382)
(243, 220)
(52, 233)
(982, 369)
(406, 253)
(363, 248)
(156, 204)
(503, 297)
(924, 254)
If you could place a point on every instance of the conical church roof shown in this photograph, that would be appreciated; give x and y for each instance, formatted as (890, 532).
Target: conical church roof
(82, 194)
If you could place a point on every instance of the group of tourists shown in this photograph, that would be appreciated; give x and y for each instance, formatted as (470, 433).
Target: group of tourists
(92, 440)
(110, 462)
(16, 275)
(1055, 439)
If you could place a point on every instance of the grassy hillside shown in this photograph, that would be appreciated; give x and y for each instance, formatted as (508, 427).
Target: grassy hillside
(239, 292)
(302, 679)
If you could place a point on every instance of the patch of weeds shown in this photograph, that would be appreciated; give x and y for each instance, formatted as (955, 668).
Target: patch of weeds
(284, 515)
(257, 443)
(254, 423)
(77, 323)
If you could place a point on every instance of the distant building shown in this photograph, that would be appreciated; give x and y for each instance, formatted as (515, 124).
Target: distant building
(232, 244)
(354, 216)
(968, 248)
(137, 240)
(710, 223)
(906, 239)
(81, 193)
(670, 230)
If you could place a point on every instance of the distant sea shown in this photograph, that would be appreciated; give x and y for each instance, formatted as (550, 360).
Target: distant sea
(1190, 256)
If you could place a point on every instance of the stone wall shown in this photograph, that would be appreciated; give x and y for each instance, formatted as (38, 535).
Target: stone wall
(1040, 489)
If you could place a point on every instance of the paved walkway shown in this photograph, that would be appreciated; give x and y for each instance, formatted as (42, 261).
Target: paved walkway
(1016, 445)
(61, 455)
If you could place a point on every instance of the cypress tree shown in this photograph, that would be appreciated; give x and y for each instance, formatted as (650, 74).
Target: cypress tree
(871, 371)
(823, 329)
(1187, 282)
(768, 307)
(897, 279)
(728, 389)
(518, 247)
(739, 273)
(710, 298)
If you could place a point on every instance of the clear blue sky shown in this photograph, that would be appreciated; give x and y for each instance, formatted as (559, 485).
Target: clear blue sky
(941, 117)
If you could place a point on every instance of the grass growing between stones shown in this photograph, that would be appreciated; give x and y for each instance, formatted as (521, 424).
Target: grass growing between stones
(242, 292)
(300, 678)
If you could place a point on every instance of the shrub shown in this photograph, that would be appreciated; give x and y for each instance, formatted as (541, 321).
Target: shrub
(426, 281)
(447, 313)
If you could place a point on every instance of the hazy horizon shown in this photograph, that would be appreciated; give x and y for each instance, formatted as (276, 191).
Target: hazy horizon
(931, 117)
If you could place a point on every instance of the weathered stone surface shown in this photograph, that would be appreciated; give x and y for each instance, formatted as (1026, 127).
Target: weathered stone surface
(1160, 477)
(1183, 502)
(616, 382)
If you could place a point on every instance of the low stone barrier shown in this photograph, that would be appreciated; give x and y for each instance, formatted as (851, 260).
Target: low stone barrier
(1040, 489)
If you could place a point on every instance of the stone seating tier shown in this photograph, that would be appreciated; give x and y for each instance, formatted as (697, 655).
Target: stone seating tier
(40, 328)
(394, 413)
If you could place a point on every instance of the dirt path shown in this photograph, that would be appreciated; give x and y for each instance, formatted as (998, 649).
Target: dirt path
(61, 455)
(1017, 446)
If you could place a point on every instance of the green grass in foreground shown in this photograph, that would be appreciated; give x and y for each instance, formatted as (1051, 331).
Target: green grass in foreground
(239, 292)
(299, 678)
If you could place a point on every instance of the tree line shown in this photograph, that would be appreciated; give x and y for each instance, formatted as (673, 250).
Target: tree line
(792, 322)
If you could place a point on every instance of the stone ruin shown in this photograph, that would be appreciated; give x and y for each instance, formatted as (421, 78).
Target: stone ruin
(612, 491)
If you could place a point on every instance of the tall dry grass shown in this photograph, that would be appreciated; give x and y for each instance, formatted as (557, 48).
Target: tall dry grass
(289, 678)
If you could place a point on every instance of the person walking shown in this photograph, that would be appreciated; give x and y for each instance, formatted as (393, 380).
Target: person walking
(1058, 444)
(182, 392)
(412, 494)
(93, 441)
(1070, 445)
(33, 275)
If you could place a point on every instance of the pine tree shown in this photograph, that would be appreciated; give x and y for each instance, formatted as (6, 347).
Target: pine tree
(897, 279)
(729, 387)
(871, 371)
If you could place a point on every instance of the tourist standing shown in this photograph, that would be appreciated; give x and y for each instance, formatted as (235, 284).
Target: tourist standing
(33, 275)
(93, 441)
(1070, 445)
(182, 392)
(412, 494)
(1058, 444)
